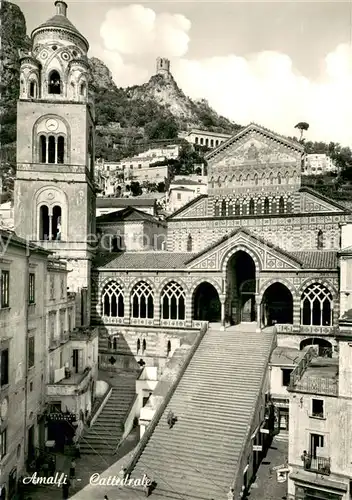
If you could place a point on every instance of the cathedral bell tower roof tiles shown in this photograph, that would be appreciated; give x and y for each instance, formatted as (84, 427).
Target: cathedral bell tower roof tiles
(60, 20)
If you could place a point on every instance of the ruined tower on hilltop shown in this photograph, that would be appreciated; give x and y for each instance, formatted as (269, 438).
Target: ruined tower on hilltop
(163, 66)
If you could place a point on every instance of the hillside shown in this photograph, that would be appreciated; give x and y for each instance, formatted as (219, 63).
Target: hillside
(13, 38)
(156, 110)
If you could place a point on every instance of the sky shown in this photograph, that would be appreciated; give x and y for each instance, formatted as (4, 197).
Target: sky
(273, 63)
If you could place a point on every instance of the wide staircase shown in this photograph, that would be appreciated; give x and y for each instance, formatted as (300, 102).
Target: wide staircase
(214, 404)
(105, 434)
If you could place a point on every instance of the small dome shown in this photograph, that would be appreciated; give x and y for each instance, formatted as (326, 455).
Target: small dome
(60, 20)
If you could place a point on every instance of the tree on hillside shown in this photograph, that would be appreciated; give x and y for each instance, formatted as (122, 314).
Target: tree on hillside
(163, 128)
(135, 188)
(161, 187)
(302, 126)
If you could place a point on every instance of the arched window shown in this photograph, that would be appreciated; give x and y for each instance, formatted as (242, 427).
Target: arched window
(251, 206)
(223, 208)
(230, 208)
(173, 301)
(288, 206)
(281, 205)
(142, 299)
(266, 206)
(42, 149)
(259, 207)
(287, 177)
(51, 149)
(320, 239)
(32, 88)
(44, 223)
(216, 209)
(54, 86)
(271, 178)
(82, 89)
(279, 178)
(273, 206)
(256, 180)
(168, 348)
(189, 243)
(109, 343)
(56, 223)
(138, 345)
(144, 345)
(317, 306)
(60, 149)
(115, 343)
(244, 208)
(112, 300)
(240, 180)
(237, 208)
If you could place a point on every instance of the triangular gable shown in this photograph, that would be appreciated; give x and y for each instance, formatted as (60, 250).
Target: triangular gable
(254, 130)
(312, 201)
(267, 256)
(198, 207)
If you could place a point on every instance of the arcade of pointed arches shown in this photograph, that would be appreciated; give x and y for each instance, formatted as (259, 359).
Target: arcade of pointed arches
(206, 302)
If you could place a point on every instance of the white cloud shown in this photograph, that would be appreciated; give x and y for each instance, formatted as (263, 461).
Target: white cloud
(136, 29)
(264, 87)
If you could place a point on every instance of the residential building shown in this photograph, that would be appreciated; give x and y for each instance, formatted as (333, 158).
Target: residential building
(183, 189)
(205, 138)
(318, 164)
(22, 345)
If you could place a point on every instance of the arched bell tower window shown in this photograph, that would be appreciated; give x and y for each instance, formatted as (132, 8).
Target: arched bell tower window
(189, 243)
(83, 89)
(251, 206)
(54, 85)
(281, 205)
(279, 178)
(56, 223)
(44, 223)
(33, 89)
(51, 149)
(60, 149)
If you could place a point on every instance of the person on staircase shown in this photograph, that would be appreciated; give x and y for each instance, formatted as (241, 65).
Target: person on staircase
(147, 486)
(171, 419)
(231, 494)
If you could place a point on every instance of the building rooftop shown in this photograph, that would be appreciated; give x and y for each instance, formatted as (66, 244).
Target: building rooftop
(320, 376)
(127, 214)
(125, 202)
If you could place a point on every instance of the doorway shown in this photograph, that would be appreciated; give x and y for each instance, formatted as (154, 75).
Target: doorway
(241, 288)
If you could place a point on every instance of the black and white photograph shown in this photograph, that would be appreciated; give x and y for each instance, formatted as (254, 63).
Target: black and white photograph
(175, 250)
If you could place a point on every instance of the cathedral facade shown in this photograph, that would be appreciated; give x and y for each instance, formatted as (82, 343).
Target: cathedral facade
(258, 248)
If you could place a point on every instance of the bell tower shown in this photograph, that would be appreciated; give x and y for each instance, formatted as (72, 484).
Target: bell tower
(54, 186)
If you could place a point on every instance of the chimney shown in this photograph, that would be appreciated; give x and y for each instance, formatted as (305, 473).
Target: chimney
(61, 7)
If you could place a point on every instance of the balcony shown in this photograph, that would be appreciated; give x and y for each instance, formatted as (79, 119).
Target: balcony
(72, 384)
(319, 465)
(83, 333)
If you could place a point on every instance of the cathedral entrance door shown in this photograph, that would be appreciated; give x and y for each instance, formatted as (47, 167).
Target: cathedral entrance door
(206, 303)
(241, 288)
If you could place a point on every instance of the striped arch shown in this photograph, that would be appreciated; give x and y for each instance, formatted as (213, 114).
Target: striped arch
(204, 280)
(311, 281)
(167, 280)
(237, 248)
(283, 281)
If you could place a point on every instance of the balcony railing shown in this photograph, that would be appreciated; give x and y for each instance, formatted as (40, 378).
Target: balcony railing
(317, 385)
(320, 465)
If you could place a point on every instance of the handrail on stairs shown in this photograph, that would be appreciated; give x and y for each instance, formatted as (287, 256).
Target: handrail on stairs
(160, 410)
